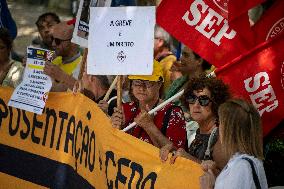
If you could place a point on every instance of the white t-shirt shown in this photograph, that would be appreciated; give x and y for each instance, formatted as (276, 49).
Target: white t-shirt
(238, 174)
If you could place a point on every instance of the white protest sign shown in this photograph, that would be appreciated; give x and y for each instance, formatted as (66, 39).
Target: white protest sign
(81, 30)
(31, 94)
(121, 41)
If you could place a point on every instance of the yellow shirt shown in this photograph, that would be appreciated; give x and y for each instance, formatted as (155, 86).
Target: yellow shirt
(167, 63)
(71, 68)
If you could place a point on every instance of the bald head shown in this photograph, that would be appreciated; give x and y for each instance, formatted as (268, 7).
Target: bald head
(62, 31)
(62, 34)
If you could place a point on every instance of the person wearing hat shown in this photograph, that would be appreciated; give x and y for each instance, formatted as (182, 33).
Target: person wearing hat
(165, 127)
(65, 68)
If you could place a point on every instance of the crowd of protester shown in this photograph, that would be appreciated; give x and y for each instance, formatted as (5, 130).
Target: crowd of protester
(205, 125)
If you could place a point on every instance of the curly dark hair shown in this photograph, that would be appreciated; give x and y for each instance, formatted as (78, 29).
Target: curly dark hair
(42, 18)
(218, 89)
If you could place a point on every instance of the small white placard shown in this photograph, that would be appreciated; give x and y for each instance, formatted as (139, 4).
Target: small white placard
(31, 94)
(121, 40)
(81, 30)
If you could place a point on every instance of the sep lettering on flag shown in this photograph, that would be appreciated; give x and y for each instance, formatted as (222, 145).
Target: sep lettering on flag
(259, 77)
(271, 23)
(73, 145)
(200, 25)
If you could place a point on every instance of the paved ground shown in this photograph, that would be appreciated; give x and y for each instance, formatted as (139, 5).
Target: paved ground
(25, 16)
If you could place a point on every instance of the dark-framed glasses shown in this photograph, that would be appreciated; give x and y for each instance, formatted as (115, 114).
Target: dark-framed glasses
(58, 41)
(203, 100)
(145, 84)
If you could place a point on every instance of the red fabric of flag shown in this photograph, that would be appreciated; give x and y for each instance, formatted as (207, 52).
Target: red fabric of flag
(202, 27)
(271, 23)
(231, 9)
(259, 77)
(239, 7)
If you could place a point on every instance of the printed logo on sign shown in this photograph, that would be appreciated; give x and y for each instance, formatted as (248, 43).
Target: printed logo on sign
(49, 55)
(276, 29)
(121, 56)
(222, 4)
(44, 97)
(30, 52)
(282, 75)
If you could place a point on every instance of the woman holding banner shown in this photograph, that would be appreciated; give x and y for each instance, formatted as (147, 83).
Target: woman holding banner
(203, 96)
(168, 124)
(190, 65)
(241, 139)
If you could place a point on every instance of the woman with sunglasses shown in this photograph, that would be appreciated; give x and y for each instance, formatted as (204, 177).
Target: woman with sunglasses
(166, 126)
(203, 96)
(241, 140)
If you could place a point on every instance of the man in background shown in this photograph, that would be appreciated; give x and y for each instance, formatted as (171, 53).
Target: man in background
(44, 24)
(163, 54)
(65, 68)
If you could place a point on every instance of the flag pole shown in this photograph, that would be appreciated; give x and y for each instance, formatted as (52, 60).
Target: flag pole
(160, 106)
(119, 92)
(112, 86)
(245, 55)
(83, 63)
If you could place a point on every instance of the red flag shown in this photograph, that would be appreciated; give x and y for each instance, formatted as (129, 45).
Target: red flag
(259, 77)
(200, 25)
(271, 23)
(71, 22)
(232, 9)
(239, 7)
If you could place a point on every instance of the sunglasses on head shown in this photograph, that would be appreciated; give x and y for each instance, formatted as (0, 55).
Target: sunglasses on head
(203, 99)
(58, 41)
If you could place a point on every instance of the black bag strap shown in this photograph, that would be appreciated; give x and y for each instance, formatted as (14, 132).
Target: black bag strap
(255, 177)
(164, 56)
(167, 119)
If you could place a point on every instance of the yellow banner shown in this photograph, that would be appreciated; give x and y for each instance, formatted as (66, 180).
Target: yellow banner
(72, 145)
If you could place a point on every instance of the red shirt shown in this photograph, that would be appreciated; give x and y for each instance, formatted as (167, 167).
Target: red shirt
(175, 126)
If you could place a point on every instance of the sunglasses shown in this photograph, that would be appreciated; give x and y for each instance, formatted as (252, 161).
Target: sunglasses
(145, 84)
(58, 41)
(203, 99)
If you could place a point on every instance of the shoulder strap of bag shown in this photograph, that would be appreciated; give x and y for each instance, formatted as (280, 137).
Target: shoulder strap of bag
(212, 136)
(164, 56)
(255, 177)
